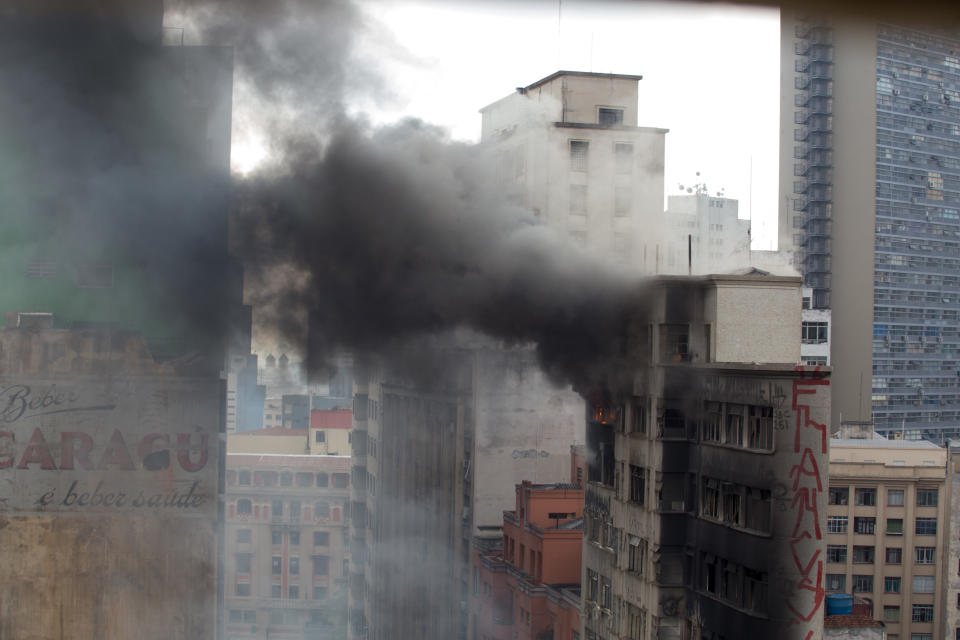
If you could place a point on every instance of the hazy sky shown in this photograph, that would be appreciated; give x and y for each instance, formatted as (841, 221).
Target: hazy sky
(711, 76)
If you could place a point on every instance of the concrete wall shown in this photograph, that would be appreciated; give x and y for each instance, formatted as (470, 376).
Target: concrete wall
(854, 214)
(524, 428)
(757, 323)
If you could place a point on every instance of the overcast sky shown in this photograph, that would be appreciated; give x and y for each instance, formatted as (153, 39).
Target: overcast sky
(711, 76)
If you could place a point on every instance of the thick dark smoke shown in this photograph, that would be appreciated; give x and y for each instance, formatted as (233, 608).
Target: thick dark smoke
(379, 236)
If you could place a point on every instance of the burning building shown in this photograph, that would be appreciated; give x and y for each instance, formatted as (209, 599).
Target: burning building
(707, 474)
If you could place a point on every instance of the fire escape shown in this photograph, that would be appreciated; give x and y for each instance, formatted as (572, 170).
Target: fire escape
(813, 155)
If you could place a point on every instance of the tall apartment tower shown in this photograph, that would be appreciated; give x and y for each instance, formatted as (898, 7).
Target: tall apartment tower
(706, 481)
(870, 206)
(570, 151)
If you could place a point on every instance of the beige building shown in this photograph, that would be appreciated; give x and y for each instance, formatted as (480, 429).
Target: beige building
(569, 150)
(286, 558)
(886, 531)
(706, 477)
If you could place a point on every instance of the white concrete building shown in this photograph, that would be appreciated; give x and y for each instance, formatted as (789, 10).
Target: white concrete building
(704, 234)
(815, 333)
(570, 151)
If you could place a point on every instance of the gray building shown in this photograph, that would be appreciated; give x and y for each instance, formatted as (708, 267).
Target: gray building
(870, 204)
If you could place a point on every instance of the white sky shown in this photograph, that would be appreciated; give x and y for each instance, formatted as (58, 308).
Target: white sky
(711, 76)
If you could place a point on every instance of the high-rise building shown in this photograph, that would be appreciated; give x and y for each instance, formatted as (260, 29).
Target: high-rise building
(706, 480)
(704, 234)
(886, 529)
(870, 194)
(569, 150)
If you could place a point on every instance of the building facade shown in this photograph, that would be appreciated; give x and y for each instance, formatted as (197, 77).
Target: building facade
(875, 234)
(886, 527)
(286, 559)
(526, 586)
(706, 479)
(569, 151)
(704, 234)
(814, 332)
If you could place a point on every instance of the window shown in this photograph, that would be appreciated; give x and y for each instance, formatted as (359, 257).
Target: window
(608, 117)
(578, 199)
(638, 485)
(286, 479)
(866, 497)
(578, 155)
(593, 585)
(276, 508)
(321, 539)
(754, 590)
(295, 509)
(294, 538)
(623, 152)
(760, 428)
(894, 555)
(926, 527)
(320, 436)
(276, 537)
(891, 584)
(243, 589)
(894, 526)
(863, 554)
(862, 584)
(891, 613)
(321, 565)
(321, 510)
(836, 553)
(759, 508)
(275, 591)
(294, 592)
(322, 480)
(922, 613)
(926, 497)
(319, 593)
(243, 507)
(895, 497)
(836, 582)
(276, 565)
(733, 434)
(304, 480)
(243, 563)
(637, 555)
(814, 332)
(243, 536)
(839, 495)
(294, 566)
(340, 480)
(925, 555)
(711, 424)
(923, 584)
(836, 524)
(622, 201)
(244, 478)
(865, 526)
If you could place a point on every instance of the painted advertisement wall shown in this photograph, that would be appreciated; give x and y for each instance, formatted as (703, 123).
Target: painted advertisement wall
(108, 492)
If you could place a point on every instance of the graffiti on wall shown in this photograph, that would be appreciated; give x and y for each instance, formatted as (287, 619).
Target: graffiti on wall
(805, 493)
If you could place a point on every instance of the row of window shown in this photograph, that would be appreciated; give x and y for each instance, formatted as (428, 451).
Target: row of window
(867, 496)
(864, 554)
(868, 525)
(891, 584)
(304, 479)
(622, 153)
(276, 591)
(741, 586)
(320, 538)
(736, 505)
(738, 425)
(320, 509)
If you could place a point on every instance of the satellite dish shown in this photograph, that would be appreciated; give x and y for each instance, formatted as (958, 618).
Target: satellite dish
(689, 190)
